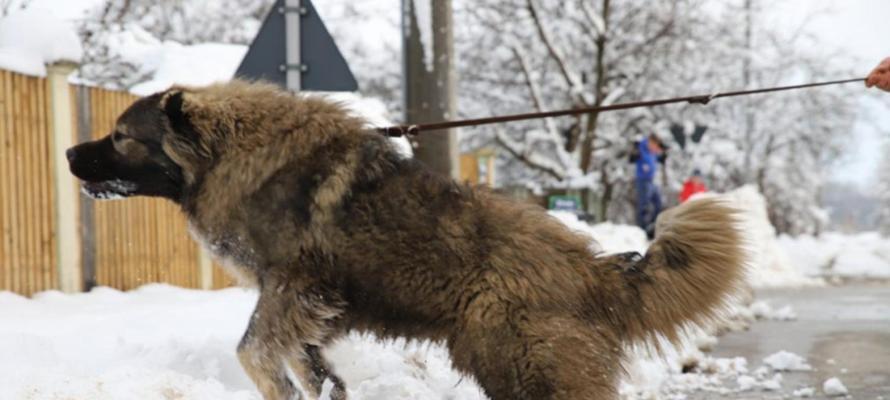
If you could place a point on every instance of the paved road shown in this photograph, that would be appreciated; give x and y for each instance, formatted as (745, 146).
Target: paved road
(842, 331)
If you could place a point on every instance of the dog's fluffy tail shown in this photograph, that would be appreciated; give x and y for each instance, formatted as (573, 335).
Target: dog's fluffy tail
(696, 260)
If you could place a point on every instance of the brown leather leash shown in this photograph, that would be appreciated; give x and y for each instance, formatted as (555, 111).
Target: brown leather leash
(413, 130)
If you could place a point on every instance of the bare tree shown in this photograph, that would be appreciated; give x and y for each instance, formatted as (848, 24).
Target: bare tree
(561, 54)
(556, 54)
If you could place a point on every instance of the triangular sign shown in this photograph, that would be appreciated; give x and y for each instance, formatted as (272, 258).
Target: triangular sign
(324, 68)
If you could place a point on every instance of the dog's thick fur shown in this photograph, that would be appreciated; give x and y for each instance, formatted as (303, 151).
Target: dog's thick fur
(339, 232)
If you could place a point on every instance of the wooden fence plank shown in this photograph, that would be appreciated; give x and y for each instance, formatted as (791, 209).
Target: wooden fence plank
(5, 186)
(17, 190)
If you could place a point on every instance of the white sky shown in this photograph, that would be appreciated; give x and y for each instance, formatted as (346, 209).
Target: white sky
(862, 29)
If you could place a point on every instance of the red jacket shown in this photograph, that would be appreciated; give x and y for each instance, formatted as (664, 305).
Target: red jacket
(690, 188)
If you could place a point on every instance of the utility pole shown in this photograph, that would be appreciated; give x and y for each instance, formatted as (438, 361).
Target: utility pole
(428, 80)
(747, 81)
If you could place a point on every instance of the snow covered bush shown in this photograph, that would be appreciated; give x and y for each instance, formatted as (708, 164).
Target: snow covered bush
(49, 39)
(123, 38)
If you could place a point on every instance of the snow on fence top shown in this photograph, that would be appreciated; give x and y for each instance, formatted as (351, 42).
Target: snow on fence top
(32, 38)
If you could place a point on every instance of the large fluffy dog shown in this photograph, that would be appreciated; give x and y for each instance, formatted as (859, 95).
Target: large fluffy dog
(339, 232)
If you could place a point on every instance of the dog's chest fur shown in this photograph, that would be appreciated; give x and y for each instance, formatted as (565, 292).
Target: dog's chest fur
(231, 251)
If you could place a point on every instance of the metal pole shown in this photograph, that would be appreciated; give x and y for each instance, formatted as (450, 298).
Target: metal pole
(293, 11)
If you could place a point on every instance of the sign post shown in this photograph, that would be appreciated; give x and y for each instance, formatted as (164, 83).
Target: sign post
(293, 12)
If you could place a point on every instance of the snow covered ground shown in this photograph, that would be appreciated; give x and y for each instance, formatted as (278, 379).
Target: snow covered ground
(163, 342)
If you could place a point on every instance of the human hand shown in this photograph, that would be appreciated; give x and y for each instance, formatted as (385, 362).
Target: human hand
(880, 76)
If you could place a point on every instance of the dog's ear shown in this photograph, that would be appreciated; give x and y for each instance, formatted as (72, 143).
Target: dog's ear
(183, 144)
(174, 107)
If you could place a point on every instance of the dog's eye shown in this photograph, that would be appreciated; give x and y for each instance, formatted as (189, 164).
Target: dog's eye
(117, 136)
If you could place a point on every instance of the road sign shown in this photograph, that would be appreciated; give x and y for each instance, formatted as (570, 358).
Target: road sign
(294, 49)
(564, 203)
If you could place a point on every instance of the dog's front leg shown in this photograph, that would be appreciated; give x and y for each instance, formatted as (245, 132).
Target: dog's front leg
(312, 369)
(290, 323)
(260, 354)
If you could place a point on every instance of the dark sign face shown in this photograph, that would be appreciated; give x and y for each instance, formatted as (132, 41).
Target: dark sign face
(322, 67)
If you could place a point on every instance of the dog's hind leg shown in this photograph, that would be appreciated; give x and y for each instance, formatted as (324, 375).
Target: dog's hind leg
(535, 356)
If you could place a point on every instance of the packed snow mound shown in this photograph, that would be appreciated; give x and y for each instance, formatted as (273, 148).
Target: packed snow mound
(34, 37)
(834, 387)
(769, 266)
(787, 361)
(862, 255)
(609, 238)
(763, 310)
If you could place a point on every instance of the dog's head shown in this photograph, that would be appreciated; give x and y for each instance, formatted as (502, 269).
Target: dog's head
(150, 152)
(224, 137)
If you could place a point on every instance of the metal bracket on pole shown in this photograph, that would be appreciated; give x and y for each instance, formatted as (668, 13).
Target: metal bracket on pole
(294, 69)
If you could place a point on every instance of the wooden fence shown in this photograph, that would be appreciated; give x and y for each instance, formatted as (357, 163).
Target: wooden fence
(122, 244)
(27, 248)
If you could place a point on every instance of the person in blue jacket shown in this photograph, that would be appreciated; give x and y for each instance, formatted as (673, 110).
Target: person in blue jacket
(648, 195)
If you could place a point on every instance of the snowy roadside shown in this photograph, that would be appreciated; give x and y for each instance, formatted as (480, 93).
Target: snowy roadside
(162, 342)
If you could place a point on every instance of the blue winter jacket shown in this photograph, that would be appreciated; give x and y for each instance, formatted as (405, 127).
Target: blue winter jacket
(647, 162)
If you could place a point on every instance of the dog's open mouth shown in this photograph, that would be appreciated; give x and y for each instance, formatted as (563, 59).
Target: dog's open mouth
(109, 190)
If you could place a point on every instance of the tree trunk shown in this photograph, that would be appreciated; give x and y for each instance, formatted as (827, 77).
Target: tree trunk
(429, 86)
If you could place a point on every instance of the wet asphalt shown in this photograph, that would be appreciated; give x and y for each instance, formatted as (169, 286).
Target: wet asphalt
(842, 331)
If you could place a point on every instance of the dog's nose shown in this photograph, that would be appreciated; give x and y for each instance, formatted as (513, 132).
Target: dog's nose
(71, 154)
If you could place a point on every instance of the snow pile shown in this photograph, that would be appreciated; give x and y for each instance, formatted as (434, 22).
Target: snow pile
(787, 361)
(769, 264)
(34, 37)
(683, 369)
(863, 255)
(804, 392)
(834, 387)
(763, 310)
(608, 237)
